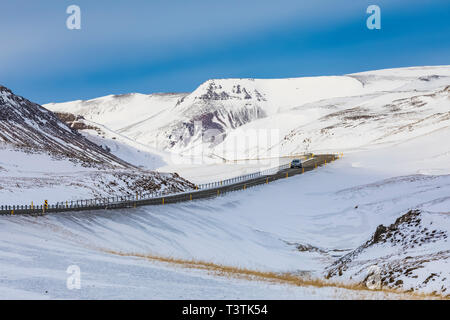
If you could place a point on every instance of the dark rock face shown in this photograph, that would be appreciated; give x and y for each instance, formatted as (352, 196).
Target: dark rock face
(211, 112)
(215, 92)
(28, 126)
(67, 118)
(378, 233)
(214, 125)
(429, 78)
(74, 121)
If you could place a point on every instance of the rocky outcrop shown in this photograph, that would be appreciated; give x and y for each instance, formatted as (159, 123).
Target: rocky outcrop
(405, 253)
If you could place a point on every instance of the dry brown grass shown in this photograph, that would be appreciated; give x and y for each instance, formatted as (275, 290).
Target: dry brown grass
(273, 277)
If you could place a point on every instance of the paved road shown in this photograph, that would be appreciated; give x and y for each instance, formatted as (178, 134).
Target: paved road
(311, 164)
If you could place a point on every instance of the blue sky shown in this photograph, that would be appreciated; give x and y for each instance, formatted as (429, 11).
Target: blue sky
(174, 45)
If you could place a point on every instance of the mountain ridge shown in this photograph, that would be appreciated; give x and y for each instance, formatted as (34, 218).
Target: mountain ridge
(301, 109)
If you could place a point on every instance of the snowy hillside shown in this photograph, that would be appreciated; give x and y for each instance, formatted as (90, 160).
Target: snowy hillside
(41, 158)
(121, 146)
(119, 112)
(300, 226)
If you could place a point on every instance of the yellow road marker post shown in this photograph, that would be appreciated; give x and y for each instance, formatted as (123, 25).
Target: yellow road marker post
(190, 197)
(162, 200)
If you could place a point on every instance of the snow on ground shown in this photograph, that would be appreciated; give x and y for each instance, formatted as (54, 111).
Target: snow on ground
(300, 224)
(33, 265)
(125, 148)
(392, 126)
(42, 158)
(117, 108)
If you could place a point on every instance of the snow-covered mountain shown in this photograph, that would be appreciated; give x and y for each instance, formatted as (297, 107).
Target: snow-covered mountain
(167, 122)
(385, 203)
(29, 127)
(42, 158)
(335, 113)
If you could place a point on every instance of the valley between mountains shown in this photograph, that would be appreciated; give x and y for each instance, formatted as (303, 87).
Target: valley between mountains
(385, 203)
